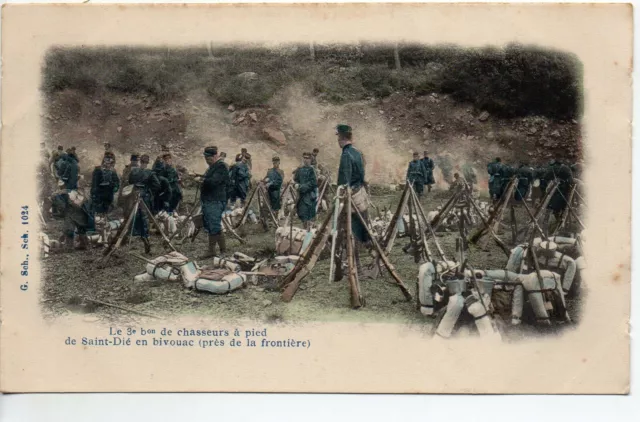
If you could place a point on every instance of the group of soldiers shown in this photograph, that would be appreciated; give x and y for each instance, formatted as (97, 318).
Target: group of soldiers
(221, 186)
(533, 181)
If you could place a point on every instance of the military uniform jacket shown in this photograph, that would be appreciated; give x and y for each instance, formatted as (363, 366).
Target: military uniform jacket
(104, 182)
(68, 171)
(428, 164)
(216, 182)
(306, 178)
(351, 170)
(240, 175)
(416, 172)
(145, 180)
(276, 177)
(494, 169)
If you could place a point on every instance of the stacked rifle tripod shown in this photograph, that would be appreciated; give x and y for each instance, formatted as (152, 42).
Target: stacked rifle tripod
(338, 224)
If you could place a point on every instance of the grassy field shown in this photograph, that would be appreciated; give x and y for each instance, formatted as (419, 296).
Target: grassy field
(71, 277)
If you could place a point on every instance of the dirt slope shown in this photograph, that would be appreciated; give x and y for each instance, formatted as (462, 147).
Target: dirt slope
(387, 130)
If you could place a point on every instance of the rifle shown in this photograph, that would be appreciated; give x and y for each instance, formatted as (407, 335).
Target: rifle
(334, 232)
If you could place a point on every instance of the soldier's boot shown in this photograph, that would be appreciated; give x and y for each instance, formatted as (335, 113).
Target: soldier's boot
(222, 243)
(84, 242)
(211, 251)
(428, 188)
(147, 245)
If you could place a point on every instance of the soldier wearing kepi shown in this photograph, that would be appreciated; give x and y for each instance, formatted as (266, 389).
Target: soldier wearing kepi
(240, 176)
(428, 165)
(146, 184)
(104, 184)
(274, 180)
(416, 174)
(307, 185)
(214, 199)
(351, 173)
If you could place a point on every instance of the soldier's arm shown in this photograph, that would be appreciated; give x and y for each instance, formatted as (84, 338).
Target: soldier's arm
(154, 183)
(95, 181)
(344, 174)
(116, 182)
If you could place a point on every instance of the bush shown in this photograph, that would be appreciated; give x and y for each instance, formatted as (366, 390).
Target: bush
(514, 81)
(243, 92)
(376, 79)
(338, 86)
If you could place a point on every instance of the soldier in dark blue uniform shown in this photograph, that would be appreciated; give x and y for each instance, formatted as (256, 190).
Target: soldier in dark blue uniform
(240, 177)
(68, 169)
(494, 169)
(351, 173)
(307, 185)
(162, 197)
(104, 184)
(274, 179)
(416, 174)
(428, 165)
(146, 184)
(563, 176)
(171, 174)
(525, 180)
(507, 173)
(214, 199)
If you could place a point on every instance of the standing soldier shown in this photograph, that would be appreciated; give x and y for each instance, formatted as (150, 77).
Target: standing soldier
(104, 184)
(563, 177)
(428, 165)
(158, 164)
(246, 157)
(274, 180)
(494, 169)
(314, 158)
(525, 180)
(68, 169)
(351, 173)
(53, 161)
(240, 176)
(307, 185)
(214, 199)
(125, 176)
(163, 196)
(146, 184)
(416, 174)
(171, 174)
(507, 173)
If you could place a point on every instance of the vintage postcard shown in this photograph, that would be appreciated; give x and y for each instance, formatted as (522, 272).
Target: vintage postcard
(350, 198)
